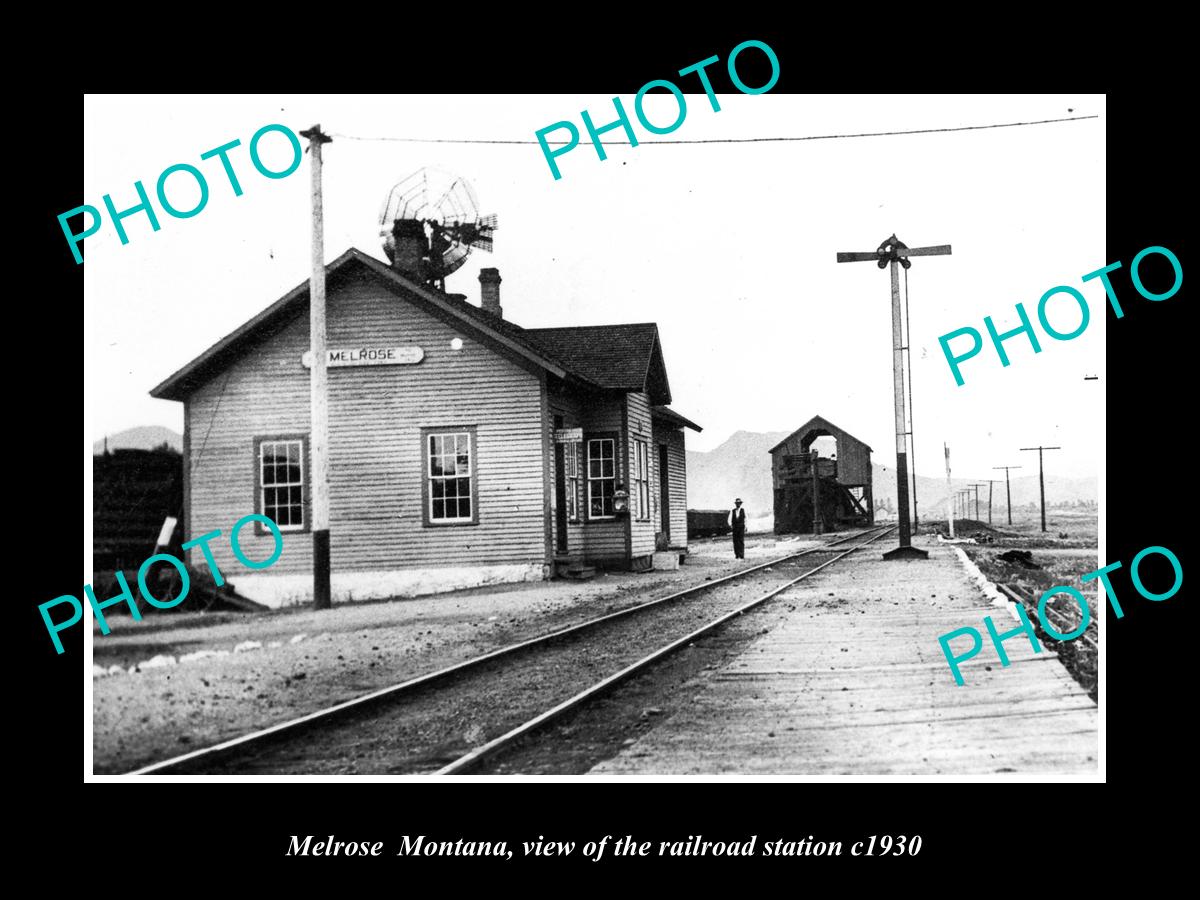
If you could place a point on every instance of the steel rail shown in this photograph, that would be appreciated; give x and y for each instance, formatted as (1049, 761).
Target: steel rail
(1062, 619)
(428, 678)
(491, 747)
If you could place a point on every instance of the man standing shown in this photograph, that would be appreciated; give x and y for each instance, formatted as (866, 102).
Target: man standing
(737, 521)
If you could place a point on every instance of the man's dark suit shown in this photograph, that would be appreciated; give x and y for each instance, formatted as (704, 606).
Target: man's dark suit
(737, 518)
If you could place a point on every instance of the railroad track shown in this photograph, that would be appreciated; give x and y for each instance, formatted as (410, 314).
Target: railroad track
(434, 723)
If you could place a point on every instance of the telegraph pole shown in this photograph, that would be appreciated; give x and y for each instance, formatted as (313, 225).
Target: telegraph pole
(1007, 489)
(318, 383)
(893, 253)
(976, 487)
(949, 491)
(990, 480)
(1042, 478)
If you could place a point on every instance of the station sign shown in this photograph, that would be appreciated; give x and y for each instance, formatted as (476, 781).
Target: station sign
(368, 356)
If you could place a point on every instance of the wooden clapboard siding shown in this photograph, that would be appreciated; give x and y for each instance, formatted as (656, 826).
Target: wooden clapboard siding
(547, 441)
(604, 413)
(677, 479)
(376, 453)
(264, 393)
(641, 532)
(567, 404)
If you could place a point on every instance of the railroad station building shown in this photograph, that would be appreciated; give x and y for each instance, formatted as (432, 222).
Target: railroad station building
(463, 449)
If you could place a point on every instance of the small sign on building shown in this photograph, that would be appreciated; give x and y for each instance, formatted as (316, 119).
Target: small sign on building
(168, 529)
(568, 435)
(368, 356)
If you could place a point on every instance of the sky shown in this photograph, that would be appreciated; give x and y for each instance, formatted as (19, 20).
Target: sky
(729, 247)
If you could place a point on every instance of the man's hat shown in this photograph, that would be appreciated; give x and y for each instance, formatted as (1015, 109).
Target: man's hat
(738, 500)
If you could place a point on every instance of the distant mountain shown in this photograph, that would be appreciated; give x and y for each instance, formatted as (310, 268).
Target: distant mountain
(931, 492)
(741, 467)
(144, 437)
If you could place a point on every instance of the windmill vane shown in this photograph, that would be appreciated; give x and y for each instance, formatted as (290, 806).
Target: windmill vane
(430, 222)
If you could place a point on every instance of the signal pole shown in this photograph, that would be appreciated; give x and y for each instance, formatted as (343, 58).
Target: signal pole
(912, 440)
(1042, 478)
(1007, 489)
(318, 383)
(893, 253)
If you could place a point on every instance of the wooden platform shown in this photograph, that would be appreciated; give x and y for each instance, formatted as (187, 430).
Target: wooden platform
(851, 680)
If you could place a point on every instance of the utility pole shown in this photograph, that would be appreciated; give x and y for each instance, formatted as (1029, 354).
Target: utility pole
(949, 490)
(1007, 489)
(1042, 478)
(893, 253)
(976, 487)
(990, 480)
(318, 383)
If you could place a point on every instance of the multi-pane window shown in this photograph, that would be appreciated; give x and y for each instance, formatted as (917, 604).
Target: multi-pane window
(281, 479)
(602, 477)
(572, 471)
(449, 469)
(641, 479)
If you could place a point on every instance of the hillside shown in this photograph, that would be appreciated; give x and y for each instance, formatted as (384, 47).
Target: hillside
(144, 437)
(741, 467)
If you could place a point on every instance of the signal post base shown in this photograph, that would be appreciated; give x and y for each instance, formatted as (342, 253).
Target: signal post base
(908, 552)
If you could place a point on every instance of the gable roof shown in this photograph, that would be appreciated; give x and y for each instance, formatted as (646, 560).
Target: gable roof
(817, 423)
(669, 415)
(619, 357)
(623, 357)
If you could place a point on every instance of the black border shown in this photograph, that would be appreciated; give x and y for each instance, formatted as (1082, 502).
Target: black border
(972, 832)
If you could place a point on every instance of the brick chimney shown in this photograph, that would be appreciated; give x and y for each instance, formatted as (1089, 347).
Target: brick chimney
(410, 246)
(489, 291)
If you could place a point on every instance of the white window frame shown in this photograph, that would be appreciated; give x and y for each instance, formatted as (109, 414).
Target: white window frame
(602, 477)
(263, 487)
(573, 476)
(430, 478)
(641, 478)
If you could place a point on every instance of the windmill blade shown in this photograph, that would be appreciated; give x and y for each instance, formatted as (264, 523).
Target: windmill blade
(488, 222)
(482, 243)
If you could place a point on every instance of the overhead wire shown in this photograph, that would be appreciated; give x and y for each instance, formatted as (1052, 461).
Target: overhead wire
(745, 140)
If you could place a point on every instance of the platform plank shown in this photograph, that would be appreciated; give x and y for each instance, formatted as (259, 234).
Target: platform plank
(849, 678)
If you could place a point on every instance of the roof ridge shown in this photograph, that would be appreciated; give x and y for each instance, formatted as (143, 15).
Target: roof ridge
(507, 333)
(605, 325)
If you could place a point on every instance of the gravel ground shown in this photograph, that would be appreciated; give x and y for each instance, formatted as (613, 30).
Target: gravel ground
(1060, 561)
(306, 660)
(432, 727)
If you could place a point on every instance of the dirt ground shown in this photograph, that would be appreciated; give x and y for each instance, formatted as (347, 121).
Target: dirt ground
(190, 680)
(1067, 550)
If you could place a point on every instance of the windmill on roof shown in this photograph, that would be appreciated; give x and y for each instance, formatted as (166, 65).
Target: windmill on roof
(430, 222)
